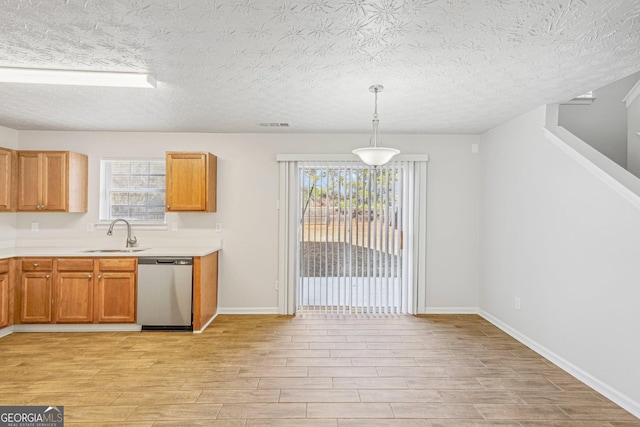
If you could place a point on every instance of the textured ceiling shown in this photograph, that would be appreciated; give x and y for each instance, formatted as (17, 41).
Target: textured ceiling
(448, 66)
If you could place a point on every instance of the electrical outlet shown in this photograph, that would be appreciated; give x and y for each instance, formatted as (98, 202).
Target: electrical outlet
(218, 227)
(90, 227)
(173, 226)
(35, 226)
(516, 303)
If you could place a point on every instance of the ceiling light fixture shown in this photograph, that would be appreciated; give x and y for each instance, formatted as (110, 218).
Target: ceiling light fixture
(375, 154)
(76, 78)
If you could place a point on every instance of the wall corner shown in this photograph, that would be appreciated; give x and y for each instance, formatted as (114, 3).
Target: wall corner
(552, 113)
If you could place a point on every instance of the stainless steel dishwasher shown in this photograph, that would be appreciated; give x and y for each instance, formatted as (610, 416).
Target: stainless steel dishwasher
(165, 293)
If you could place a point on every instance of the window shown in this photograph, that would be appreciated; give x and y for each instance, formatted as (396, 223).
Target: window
(133, 189)
(584, 99)
(587, 95)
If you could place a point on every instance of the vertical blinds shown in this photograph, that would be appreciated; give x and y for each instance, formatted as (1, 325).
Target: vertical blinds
(353, 220)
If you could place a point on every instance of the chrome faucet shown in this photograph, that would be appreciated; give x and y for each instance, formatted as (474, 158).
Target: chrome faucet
(131, 240)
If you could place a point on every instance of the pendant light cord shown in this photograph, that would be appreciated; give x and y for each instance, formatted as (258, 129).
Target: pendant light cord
(375, 120)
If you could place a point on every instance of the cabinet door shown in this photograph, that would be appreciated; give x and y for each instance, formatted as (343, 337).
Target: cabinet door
(116, 299)
(186, 181)
(74, 297)
(4, 300)
(36, 297)
(54, 181)
(29, 182)
(7, 180)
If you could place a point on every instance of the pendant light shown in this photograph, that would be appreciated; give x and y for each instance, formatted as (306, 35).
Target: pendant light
(375, 154)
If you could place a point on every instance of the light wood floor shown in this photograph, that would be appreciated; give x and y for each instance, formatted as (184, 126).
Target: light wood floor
(291, 371)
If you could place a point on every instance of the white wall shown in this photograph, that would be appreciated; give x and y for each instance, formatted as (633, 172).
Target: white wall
(603, 124)
(559, 239)
(8, 139)
(247, 193)
(633, 135)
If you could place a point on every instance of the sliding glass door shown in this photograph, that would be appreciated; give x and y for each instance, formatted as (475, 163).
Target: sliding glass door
(350, 254)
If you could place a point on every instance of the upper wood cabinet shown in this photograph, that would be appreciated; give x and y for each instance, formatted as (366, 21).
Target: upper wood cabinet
(52, 181)
(191, 181)
(8, 172)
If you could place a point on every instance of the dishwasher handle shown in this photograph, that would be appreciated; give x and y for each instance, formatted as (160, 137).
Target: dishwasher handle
(165, 261)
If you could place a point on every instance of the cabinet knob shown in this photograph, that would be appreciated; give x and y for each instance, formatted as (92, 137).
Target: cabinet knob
(35, 264)
(99, 276)
(47, 276)
(168, 207)
(90, 276)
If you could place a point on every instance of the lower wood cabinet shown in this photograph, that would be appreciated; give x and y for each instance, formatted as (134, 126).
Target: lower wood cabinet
(74, 297)
(116, 294)
(36, 290)
(74, 285)
(205, 289)
(5, 292)
(78, 290)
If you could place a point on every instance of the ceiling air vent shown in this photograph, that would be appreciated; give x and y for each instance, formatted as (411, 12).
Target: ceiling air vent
(273, 125)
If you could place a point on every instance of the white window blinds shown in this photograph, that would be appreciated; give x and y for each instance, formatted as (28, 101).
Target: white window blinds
(352, 236)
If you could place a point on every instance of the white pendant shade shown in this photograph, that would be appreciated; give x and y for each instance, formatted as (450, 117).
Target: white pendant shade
(375, 156)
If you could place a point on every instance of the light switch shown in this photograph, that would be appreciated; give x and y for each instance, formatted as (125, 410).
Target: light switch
(218, 227)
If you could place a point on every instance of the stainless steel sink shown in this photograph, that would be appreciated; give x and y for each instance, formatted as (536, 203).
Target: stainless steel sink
(129, 250)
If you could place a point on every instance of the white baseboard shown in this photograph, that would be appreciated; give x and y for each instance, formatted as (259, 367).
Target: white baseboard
(6, 331)
(201, 330)
(596, 384)
(247, 310)
(102, 327)
(450, 310)
(274, 310)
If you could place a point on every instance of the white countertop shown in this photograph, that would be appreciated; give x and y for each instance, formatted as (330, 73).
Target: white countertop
(52, 251)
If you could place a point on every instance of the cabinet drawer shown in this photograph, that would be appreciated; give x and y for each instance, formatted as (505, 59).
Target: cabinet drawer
(75, 264)
(37, 264)
(4, 266)
(117, 264)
